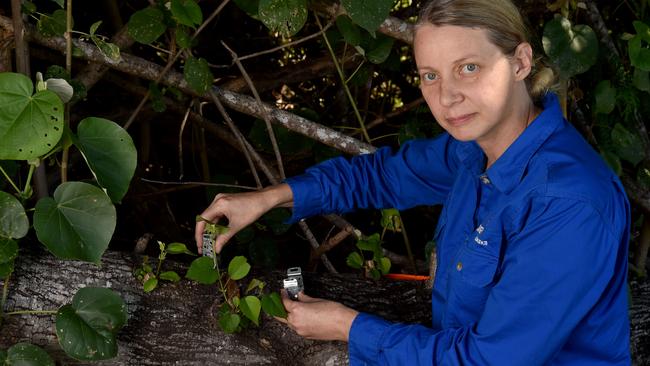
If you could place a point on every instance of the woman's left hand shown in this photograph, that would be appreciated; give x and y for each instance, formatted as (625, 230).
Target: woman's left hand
(318, 319)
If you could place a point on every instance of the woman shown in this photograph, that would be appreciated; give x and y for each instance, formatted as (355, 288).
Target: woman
(532, 240)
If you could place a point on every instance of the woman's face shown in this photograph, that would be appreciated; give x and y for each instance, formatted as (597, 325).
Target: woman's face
(471, 87)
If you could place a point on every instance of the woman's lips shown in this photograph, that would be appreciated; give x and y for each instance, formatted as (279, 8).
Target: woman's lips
(460, 120)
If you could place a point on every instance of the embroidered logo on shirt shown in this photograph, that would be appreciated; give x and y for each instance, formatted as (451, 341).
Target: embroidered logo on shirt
(478, 241)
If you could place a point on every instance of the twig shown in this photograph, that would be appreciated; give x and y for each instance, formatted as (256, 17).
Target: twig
(238, 135)
(180, 141)
(298, 41)
(314, 244)
(68, 67)
(200, 184)
(22, 51)
(267, 119)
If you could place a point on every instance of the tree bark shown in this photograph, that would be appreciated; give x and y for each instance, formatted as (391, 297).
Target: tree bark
(176, 324)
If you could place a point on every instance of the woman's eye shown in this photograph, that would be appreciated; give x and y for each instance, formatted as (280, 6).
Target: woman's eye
(429, 76)
(469, 68)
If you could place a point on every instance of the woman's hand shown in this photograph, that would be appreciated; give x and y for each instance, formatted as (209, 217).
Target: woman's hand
(241, 210)
(318, 319)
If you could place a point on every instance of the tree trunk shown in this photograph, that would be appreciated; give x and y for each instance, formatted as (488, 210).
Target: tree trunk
(175, 324)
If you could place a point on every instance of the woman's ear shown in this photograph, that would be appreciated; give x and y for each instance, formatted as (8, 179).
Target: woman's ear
(522, 60)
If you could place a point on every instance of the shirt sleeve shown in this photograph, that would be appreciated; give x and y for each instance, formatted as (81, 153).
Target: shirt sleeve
(420, 173)
(563, 262)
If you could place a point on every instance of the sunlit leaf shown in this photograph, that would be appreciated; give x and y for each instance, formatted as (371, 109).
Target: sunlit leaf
(574, 49)
(250, 306)
(272, 305)
(202, 271)
(13, 220)
(25, 354)
(368, 14)
(286, 17)
(197, 74)
(238, 268)
(86, 328)
(605, 97)
(146, 25)
(30, 125)
(77, 223)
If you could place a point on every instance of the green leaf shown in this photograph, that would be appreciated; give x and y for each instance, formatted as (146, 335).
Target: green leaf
(25, 354)
(605, 97)
(52, 25)
(368, 14)
(229, 322)
(390, 219)
(249, 6)
(156, 96)
(349, 30)
(250, 306)
(379, 49)
(13, 220)
(354, 260)
(170, 276)
(77, 223)
(371, 243)
(202, 271)
(197, 74)
(94, 27)
(86, 328)
(146, 25)
(254, 284)
(183, 38)
(375, 274)
(28, 8)
(109, 152)
(187, 12)
(384, 265)
(272, 305)
(639, 55)
(150, 284)
(178, 248)
(642, 30)
(59, 3)
(286, 17)
(627, 145)
(107, 49)
(6, 269)
(30, 125)
(574, 49)
(8, 250)
(238, 268)
(641, 79)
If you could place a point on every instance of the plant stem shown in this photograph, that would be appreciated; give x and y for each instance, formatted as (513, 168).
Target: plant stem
(9, 180)
(68, 67)
(407, 243)
(345, 86)
(5, 291)
(32, 167)
(33, 312)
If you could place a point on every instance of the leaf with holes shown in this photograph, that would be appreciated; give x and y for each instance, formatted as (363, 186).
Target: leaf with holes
(197, 74)
(369, 14)
(109, 152)
(30, 125)
(574, 49)
(25, 354)
(13, 220)
(146, 25)
(86, 328)
(186, 12)
(286, 17)
(77, 223)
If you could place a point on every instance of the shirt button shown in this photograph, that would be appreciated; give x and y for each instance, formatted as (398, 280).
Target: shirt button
(459, 266)
(485, 179)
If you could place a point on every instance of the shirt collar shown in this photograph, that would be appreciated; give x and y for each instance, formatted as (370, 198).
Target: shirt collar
(508, 170)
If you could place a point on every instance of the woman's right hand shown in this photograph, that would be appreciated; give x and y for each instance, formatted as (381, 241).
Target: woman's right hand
(241, 210)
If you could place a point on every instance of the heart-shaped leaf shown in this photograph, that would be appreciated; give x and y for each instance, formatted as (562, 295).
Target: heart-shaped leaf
(13, 220)
(146, 25)
(238, 268)
(349, 30)
(110, 153)
(77, 223)
(574, 49)
(369, 14)
(272, 305)
(250, 306)
(202, 271)
(52, 25)
(86, 328)
(8, 250)
(229, 322)
(286, 17)
(30, 125)
(354, 260)
(187, 12)
(197, 74)
(25, 354)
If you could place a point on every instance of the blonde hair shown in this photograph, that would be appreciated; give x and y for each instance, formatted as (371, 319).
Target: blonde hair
(505, 27)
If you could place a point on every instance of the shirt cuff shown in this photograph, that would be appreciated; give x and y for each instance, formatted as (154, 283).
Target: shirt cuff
(307, 196)
(364, 340)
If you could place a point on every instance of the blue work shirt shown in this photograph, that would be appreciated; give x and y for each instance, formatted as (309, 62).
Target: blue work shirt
(532, 252)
